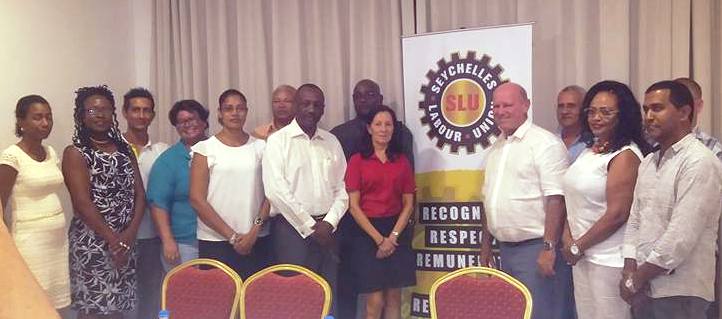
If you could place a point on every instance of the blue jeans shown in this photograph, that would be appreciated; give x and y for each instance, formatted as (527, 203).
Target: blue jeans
(552, 297)
(186, 251)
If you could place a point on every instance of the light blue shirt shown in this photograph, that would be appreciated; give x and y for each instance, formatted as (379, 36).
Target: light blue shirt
(575, 148)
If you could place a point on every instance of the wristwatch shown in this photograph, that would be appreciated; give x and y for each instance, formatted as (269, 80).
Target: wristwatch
(629, 284)
(574, 249)
(548, 245)
(258, 221)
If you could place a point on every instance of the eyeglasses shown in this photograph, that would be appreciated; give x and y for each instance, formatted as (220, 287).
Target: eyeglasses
(603, 112)
(233, 109)
(188, 122)
(99, 112)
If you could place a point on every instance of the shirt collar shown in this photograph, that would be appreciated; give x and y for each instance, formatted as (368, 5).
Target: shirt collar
(296, 131)
(522, 129)
(676, 147)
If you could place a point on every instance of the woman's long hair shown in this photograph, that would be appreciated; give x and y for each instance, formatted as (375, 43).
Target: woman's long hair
(81, 137)
(629, 124)
(394, 148)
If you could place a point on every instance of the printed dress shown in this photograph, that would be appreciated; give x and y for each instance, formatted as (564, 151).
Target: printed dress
(97, 286)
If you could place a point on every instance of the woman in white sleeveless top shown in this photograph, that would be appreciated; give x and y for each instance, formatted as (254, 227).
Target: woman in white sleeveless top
(598, 189)
(29, 180)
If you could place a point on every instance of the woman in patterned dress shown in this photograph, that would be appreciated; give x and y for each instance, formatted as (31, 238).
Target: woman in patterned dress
(108, 200)
(29, 181)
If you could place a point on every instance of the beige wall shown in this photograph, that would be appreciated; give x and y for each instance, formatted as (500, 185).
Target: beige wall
(53, 47)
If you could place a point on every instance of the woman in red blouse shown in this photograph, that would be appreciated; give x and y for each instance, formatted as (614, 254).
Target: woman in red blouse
(381, 190)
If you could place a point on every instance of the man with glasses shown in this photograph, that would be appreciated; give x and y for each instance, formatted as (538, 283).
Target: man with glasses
(139, 112)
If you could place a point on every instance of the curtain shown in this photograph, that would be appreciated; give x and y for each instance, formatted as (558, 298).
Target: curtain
(581, 42)
(201, 48)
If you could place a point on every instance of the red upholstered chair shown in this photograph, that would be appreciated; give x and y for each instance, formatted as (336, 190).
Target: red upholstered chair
(479, 292)
(297, 293)
(192, 293)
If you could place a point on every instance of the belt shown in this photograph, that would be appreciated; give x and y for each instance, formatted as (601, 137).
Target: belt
(520, 243)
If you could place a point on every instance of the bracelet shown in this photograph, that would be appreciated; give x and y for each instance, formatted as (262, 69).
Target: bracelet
(234, 238)
(124, 245)
(395, 233)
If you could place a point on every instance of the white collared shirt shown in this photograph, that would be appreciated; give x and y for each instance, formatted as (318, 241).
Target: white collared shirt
(304, 177)
(521, 170)
(674, 218)
(146, 156)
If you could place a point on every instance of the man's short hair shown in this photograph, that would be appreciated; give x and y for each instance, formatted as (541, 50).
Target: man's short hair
(138, 92)
(692, 85)
(576, 89)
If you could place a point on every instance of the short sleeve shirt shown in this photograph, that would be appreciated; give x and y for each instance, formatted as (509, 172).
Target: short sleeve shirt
(381, 185)
(168, 187)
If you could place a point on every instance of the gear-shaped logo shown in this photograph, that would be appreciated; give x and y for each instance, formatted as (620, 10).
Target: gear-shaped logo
(457, 102)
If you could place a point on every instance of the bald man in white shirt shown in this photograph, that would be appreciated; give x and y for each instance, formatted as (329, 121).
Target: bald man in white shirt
(303, 176)
(524, 204)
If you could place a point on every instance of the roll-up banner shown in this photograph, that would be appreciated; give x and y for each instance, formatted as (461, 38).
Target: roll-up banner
(449, 78)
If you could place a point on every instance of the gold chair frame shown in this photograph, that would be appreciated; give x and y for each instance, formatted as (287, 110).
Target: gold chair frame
(288, 267)
(207, 262)
(483, 271)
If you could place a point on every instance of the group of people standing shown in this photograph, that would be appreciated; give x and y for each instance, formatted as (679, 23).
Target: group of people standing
(617, 215)
(276, 195)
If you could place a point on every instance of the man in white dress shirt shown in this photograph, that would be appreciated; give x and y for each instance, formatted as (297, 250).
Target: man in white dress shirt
(303, 176)
(524, 204)
(671, 236)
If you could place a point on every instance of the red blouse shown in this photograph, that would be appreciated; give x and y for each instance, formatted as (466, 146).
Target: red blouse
(381, 184)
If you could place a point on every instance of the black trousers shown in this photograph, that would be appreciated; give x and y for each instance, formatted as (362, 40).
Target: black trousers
(244, 266)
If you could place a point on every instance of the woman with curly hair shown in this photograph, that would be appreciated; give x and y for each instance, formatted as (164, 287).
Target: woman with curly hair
(598, 190)
(106, 190)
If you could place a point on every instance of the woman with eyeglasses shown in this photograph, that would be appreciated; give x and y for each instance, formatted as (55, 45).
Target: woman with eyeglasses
(169, 182)
(226, 189)
(598, 190)
(106, 190)
(30, 180)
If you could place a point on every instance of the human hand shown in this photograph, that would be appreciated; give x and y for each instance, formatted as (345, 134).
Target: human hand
(170, 252)
(545, 262)
(245, 242)
(322, 234)
(386, 248)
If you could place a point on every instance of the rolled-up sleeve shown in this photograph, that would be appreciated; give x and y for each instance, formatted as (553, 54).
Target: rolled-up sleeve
(552, 162)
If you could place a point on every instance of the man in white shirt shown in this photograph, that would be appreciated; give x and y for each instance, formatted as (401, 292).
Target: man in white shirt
(671, 236)
(524, 204)
(303, 175)
(569, 110)
(139, 112)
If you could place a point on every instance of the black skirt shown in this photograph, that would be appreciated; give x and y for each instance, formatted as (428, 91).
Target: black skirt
(372, 274)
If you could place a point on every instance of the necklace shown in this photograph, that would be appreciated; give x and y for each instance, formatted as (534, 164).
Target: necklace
(103, 142)
(600, 147)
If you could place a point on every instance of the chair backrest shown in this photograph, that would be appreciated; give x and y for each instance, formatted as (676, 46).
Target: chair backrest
(201, 288)
(479, 292)
(296, 293)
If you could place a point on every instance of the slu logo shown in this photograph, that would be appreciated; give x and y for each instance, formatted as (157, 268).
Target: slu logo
(457, 102)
